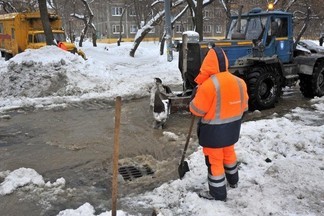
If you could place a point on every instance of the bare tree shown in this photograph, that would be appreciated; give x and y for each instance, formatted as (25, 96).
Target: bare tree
(303, 29)
(141, 33)
(227, 6)
(144, 10)
(180, 14)
(87, 20)
(196, 9)
(8, 7)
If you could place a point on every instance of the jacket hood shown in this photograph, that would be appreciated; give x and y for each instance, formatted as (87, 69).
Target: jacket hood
(210, 66)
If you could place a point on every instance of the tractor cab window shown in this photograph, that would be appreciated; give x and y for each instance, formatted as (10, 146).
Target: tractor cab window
(278, 28)
(249, 28)
(255, 28)
(59, 37)
(282, 27)
(30, 38)
(39, 38)
(237, 26)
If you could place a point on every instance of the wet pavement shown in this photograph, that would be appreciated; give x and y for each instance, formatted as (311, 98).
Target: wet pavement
(76, 142)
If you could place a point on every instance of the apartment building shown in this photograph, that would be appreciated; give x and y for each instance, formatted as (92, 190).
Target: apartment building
(115, 18)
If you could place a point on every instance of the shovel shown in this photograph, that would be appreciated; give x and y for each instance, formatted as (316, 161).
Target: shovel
(183, 167)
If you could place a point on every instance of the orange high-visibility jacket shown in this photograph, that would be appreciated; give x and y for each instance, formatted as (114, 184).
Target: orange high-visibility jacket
(62, 46)
(221, 99)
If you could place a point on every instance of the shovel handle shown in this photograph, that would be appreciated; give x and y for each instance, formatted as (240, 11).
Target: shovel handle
(187, 140)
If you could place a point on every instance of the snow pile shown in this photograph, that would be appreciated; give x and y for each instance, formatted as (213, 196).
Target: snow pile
(19, 178)
(88, 210)
(25, 176)
(27, 75)
(51, 76)
(170, 136)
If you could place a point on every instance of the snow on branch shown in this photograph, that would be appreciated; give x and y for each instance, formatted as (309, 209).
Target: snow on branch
(8, 7)
(290, 4)
(224, 4)
(78, 16)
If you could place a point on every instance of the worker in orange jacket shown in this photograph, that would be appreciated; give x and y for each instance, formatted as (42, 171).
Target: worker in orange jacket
(62, 46)
(220, 100)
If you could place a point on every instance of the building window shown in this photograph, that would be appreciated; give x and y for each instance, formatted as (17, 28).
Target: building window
(1, 28)
(133, 29)
(207, 14)
(207, 29)
(218, 29)
(152, 30)
(190, 28)
(218, 12)
(116, 29)
(131, 12)
(116, 11)
(178, 28)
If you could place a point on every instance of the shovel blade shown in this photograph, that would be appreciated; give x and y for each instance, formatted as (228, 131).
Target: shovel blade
(182, 169)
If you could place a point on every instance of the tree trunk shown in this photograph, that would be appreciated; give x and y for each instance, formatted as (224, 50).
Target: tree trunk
(162, 44)
(46, 23)
(81, 40)
(94, 39)
(120, 27)
(84, 32)
(138, 40)
(199, 19)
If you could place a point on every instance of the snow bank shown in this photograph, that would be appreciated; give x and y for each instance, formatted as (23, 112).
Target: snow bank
(23, 177)
(50, 75)
(28, 75)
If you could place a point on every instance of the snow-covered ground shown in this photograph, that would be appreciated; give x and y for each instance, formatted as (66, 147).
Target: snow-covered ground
(282, 158)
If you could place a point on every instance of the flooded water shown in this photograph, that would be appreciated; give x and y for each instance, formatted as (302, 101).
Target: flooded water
(76, 142)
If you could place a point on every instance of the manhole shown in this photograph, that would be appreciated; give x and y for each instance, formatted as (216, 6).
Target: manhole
(131, 172)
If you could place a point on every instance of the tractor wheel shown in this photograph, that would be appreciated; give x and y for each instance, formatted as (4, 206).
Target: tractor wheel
(313, 85)
(263, 87)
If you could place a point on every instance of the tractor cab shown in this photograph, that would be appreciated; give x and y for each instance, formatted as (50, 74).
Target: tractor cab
(264, 33)
(252, 35)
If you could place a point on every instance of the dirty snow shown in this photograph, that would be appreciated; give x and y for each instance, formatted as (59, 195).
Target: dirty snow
(282, 167)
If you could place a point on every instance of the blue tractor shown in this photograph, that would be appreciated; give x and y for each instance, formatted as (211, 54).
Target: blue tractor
(261, 50)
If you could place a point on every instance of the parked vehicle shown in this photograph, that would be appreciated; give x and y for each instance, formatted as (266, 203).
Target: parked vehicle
(21, 31)
(311, 46)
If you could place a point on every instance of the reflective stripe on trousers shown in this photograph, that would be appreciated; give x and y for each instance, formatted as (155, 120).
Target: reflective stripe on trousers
(221, 163)
(216, 183)
(231, 172)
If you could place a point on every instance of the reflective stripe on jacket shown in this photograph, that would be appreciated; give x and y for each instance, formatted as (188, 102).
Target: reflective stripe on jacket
(221, 100)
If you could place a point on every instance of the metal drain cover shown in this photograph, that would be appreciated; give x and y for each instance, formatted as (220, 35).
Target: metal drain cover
(131, 172)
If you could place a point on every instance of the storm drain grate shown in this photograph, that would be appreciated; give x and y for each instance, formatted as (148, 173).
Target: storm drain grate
(131, 172)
